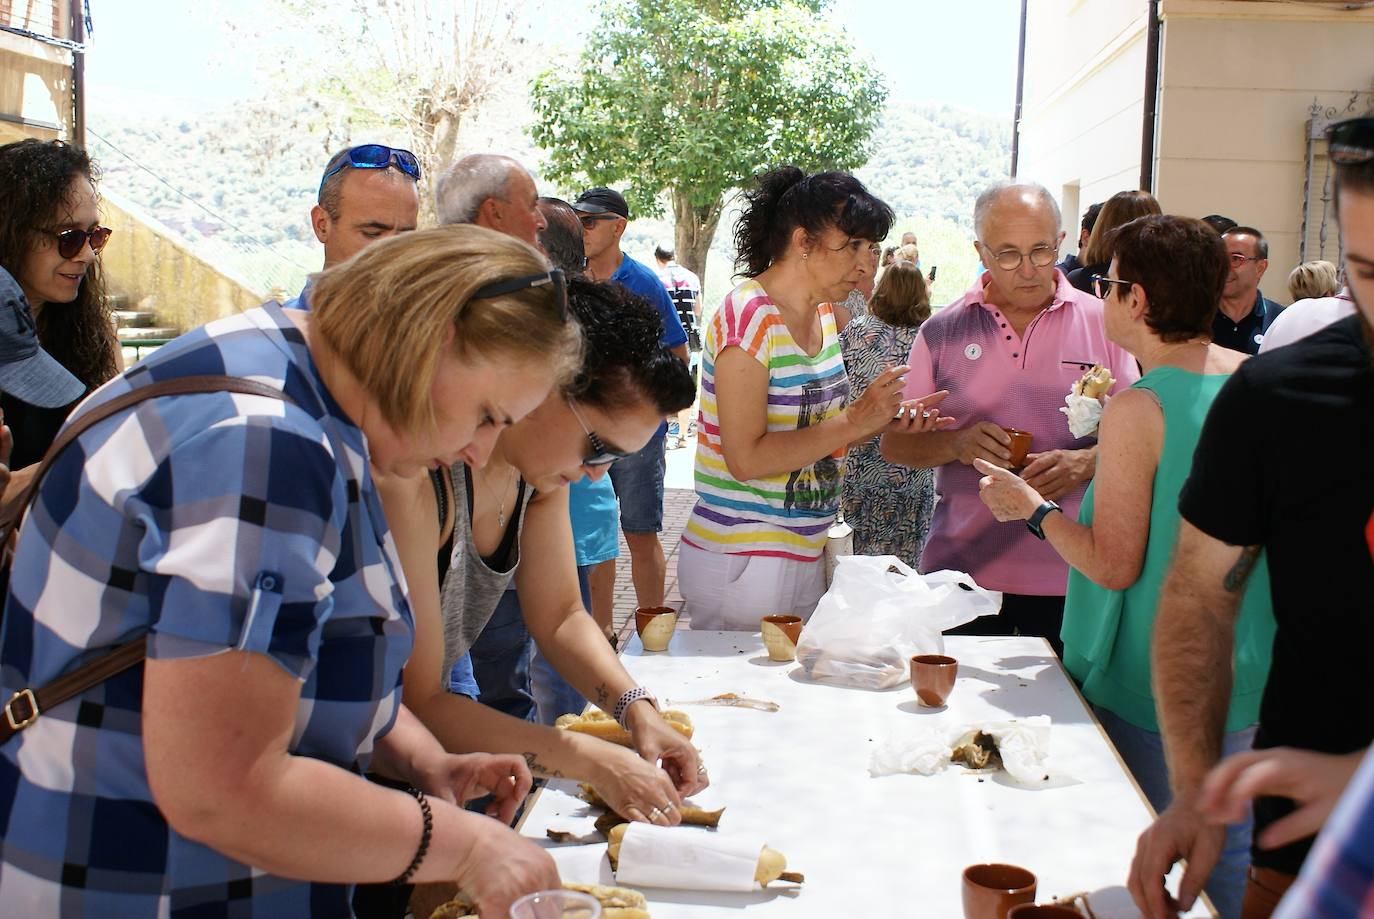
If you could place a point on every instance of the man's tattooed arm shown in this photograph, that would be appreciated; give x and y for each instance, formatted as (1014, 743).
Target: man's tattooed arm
(1235, 579)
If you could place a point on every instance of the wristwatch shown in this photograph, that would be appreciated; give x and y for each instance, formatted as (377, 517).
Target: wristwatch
(1033, 523)
(630, 697)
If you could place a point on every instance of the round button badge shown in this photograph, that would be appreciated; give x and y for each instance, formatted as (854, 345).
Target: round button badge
(973, 352)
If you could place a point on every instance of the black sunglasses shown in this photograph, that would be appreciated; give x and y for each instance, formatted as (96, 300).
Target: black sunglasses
(71, 242)
(375, 156)
(601, 454)
(1350, 142)
(511, 285)
(1101, 284)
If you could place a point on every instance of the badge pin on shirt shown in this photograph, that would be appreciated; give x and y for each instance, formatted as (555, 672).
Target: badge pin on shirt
(973, 352)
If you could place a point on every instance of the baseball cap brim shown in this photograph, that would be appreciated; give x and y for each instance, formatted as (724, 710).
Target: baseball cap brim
(587, 207)
(40, 381)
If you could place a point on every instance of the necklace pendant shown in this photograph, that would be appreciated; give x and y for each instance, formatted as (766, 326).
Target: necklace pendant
(501, 519)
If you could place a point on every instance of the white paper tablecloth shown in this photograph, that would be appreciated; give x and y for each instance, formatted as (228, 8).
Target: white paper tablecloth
(892, 846)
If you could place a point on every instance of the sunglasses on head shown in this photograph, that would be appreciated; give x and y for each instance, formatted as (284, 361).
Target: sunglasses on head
(375, 156)
(71, 242)
(511, 285)
(1351, 142)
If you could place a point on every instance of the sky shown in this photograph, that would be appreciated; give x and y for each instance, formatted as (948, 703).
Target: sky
(185, 58)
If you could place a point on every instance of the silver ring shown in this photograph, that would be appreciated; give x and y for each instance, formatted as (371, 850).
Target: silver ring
(654, 814)
(701, 768)
(669, 806)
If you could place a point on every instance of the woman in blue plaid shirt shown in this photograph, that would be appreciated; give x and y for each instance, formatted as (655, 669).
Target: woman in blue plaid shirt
(244, 536)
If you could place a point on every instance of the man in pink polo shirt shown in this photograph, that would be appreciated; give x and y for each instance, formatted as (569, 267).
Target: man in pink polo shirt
(1008, 351)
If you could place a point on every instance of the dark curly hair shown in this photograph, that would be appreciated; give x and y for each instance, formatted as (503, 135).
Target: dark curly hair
(35, 177)
(787, 198)
(624, 360)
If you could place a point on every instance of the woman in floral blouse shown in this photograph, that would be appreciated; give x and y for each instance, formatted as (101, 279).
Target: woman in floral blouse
(888, 506)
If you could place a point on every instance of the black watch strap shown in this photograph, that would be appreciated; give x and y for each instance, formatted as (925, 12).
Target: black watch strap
(1035, 521)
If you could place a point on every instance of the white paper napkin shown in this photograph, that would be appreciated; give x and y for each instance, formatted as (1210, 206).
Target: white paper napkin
(687, 858)
(1024, 746)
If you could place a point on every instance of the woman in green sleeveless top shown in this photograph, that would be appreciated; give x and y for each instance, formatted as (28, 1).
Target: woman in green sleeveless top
(1160, 294)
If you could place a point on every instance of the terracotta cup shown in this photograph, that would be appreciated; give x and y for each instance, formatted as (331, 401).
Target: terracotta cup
(932, 676)
(1020, 446)
(1044, 911)
(991, 891)
(780, 634)
(655, 625)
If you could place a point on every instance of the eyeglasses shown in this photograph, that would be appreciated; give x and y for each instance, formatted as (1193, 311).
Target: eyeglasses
(1238, 260)
(601, 454)
(1350, 142)
(1102, 284)
(511, 285)
(71, 242)
(1040, 257)
(589, 221)
(375, 156)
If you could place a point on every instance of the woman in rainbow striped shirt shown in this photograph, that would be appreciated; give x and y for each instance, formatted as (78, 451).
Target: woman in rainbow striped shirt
(774, 425)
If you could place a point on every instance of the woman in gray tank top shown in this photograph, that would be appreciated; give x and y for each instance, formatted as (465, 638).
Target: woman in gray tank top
(509, 521)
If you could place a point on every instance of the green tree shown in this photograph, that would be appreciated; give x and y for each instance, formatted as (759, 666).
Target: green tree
(692, 98)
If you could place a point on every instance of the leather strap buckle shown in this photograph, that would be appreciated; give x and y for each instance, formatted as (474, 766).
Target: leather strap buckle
(18, 722)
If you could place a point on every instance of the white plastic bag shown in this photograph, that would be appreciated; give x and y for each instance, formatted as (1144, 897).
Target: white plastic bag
(878, 612)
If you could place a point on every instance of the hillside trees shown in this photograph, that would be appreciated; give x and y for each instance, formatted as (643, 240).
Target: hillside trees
(695, 97)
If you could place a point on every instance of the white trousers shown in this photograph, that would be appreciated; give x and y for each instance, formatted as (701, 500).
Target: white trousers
(734, 592)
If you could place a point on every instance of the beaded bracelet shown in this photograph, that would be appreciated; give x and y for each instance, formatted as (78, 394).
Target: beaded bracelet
(425, 835)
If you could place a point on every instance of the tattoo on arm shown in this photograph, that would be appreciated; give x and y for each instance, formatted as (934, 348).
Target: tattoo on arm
(1240, 571)
(603, 697)
(539, 769)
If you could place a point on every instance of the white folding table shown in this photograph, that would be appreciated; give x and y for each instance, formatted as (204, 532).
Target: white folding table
(877, 847)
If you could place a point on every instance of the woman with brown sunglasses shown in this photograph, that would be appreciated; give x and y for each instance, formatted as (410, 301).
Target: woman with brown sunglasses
(49, 235)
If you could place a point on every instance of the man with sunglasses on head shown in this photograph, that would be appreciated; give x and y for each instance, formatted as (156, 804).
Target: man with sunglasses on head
(1281, 468)
(1008, 351)
(368, 192)
(1244, 314)
(638, 479)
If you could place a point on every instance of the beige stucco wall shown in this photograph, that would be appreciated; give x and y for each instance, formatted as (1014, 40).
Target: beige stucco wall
(35, 84)
(159, 274)
(1083, 101)
(1238, 80)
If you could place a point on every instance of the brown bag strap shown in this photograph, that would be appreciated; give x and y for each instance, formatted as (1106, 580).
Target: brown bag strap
(24, 707)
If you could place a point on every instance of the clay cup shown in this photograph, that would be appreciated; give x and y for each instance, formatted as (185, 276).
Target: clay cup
(1020, 446)
(932, 676)
(991, 891)
(780, 634)
(655, 625)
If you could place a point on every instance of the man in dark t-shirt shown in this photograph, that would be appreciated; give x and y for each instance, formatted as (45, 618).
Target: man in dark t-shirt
(1283, 467)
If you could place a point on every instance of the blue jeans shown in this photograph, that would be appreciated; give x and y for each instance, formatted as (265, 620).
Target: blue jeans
(638, 483)
(461, 680)
(501, 660)
(553, 695)
(1143, 752)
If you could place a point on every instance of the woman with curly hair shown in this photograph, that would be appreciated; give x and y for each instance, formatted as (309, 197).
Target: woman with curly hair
(49, 235)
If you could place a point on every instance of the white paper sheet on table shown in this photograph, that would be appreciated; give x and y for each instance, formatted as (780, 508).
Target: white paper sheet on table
(1024, 747)
(687, 858)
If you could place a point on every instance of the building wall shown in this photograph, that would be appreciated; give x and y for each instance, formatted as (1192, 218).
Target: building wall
(1238, 80)
(1083, 101)
(35, 87)
(158, 274)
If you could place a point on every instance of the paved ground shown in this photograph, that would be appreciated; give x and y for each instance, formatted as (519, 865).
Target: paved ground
(678, 499)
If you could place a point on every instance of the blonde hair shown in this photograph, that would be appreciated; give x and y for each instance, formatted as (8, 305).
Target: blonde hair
(902, 297)
(386, 311)
(1313, 279)
(907, 253)
(1120, 209)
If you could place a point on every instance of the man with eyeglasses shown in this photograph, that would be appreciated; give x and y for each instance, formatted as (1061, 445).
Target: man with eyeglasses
(368, 192)
(1244, 314)
(638, 479)
(1281, 468)
(1008, 351)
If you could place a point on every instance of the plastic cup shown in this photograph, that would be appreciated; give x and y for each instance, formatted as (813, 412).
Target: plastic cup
(556, 904)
